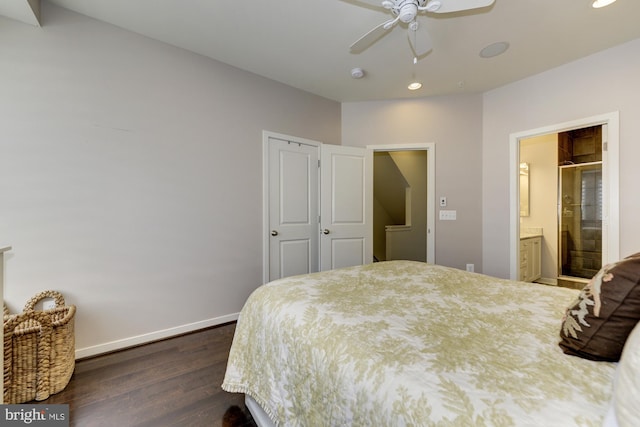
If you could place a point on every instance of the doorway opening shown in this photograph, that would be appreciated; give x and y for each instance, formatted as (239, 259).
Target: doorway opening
(570, 199)
(404, 206)
(561, 177)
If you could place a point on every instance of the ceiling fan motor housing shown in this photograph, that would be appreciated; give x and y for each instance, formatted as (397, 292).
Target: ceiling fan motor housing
(407, 10)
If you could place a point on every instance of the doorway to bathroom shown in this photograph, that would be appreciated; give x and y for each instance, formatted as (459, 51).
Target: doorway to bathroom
(567, 221)
(565, 193)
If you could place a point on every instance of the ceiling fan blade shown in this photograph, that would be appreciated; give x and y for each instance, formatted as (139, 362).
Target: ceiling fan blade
(447, 6)
(419, 40)
(371, 37)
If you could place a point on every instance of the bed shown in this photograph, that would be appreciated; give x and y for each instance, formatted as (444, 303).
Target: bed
(404, 343)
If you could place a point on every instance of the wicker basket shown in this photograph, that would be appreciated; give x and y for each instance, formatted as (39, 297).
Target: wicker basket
(39, 350)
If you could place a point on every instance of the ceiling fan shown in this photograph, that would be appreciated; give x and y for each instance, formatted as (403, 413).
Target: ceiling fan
(406, 11)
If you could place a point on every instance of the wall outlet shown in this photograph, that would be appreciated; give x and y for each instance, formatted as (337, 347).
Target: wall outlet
(470, 267)
(48, 305)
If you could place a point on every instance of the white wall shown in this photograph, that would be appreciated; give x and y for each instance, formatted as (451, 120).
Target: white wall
(454, 124)
(130, 175)
(601, 83)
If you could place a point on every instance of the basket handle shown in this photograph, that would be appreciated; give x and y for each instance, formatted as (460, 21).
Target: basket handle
(57, 296)
(5, 310)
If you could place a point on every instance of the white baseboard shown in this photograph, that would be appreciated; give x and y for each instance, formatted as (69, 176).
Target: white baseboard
(95, 350)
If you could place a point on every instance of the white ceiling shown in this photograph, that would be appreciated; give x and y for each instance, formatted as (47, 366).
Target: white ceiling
(305, 43)
(27, 11)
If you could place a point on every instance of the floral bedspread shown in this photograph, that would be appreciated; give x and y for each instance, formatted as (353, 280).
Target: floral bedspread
(405, 343)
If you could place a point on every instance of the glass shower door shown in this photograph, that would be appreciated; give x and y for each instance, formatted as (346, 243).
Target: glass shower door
(580, 220)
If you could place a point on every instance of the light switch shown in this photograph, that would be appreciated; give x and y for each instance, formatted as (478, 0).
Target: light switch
(447, 215)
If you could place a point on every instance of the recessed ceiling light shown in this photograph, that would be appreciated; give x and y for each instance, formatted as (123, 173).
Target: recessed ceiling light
(494, 49)
(414, 86)
(597, 4)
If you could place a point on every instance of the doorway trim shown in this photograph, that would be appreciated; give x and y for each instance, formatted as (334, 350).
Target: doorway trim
(430, 147)
(610, 176)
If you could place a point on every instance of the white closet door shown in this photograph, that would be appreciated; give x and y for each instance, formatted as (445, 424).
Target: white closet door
(346, 208)
(293, 208)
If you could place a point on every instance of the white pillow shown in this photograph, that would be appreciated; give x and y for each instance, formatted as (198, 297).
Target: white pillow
(627, 389)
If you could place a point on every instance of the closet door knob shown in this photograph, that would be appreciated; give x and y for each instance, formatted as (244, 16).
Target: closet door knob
(274, 233)
(325, 231)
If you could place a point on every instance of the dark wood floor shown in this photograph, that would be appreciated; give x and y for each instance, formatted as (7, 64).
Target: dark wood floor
(174, 383)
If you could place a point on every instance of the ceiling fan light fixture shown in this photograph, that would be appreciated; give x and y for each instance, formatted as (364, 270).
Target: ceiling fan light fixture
(414, 86)
(597, 4)
(494, 49)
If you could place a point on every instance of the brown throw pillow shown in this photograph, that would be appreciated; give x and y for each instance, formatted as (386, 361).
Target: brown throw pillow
(597, 324)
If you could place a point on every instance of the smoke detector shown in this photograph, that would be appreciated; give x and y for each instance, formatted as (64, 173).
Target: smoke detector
(357, 73)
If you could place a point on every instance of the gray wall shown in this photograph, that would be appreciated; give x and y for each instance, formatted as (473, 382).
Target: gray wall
(454, 125)
(130, 175)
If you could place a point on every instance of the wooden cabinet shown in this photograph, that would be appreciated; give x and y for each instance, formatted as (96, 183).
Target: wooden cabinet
(530, 258)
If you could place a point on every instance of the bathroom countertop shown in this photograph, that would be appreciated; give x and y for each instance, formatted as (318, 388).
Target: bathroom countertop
(530, 232)
(529, 235)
